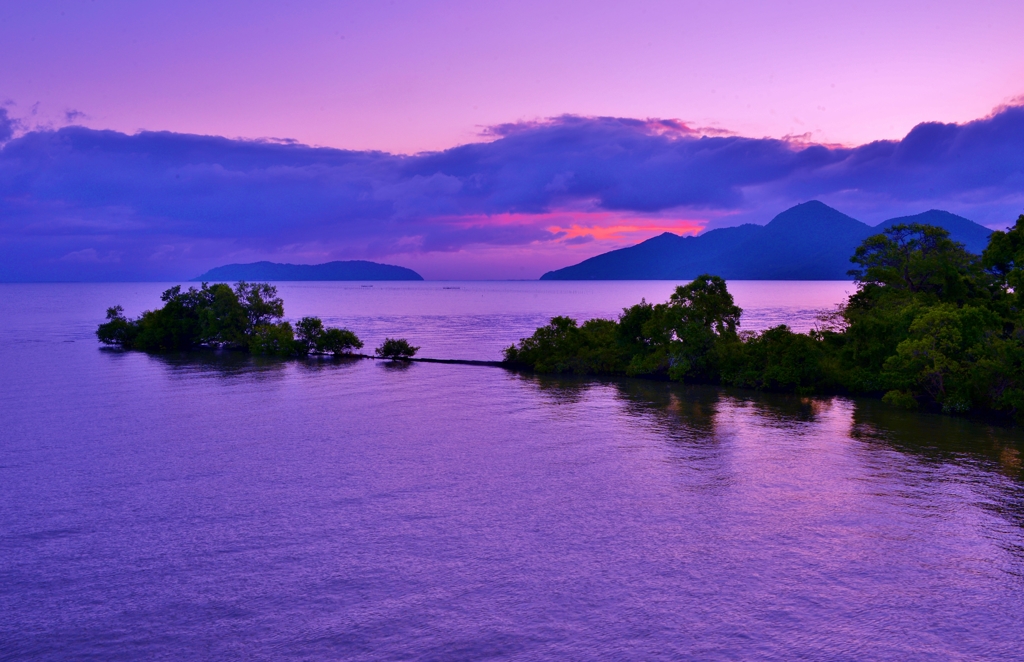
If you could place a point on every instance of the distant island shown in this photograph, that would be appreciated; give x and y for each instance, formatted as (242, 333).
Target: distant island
(810, 241)
(345, 270)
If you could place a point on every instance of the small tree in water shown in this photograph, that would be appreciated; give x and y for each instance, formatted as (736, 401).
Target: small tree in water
(339, 341)
(118, 329)
(313, 338)
(396, 349)
(273, 340)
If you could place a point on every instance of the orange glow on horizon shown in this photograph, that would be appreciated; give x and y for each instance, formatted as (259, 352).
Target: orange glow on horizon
(601, 225)
(617, 231)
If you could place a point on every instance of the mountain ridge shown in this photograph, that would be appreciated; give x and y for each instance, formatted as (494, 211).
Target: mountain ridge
(809, 241)
(337, 270)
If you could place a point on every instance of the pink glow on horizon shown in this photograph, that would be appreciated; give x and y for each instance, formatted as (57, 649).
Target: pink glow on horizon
(621, 231)
(597, 224)
(601, 231)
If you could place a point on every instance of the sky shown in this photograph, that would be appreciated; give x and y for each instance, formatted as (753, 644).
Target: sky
(486, 139)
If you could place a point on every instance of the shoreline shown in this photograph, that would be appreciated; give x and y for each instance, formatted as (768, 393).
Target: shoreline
(988, 418)
(491, 364)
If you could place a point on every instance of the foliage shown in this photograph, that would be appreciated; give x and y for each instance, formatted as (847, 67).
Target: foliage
(118, 329)
(701, 316)
(676, 339)
(247, 317)
(931, 325)
(1004, 261)
(313, 338)
(563, 346)
(338, 341)
(913, 258)
(395, 349)
(644, 338)
(901, 399)
(260, 304)
(707, 304)
(776, 360)
(1004, 255)
(273, 340)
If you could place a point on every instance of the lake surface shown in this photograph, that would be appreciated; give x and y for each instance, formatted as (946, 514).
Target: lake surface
(215, 506)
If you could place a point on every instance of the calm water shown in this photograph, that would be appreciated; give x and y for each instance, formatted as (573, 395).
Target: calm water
(214, 506)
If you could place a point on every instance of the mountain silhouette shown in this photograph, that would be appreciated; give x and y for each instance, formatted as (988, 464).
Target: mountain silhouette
(810, 241)
(972, 235)
(350, 270)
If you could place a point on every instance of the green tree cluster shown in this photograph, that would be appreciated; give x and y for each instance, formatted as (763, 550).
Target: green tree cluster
(247, 317)
(931, 325)
(396, 349)
(678, 339)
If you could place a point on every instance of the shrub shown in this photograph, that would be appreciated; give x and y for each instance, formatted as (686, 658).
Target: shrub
(311, 337)
(118, 329)
(774, 360)
(561, 346)
(395, 349)
(901, 399)
(308, 334)
(274, 340)
(340, 341)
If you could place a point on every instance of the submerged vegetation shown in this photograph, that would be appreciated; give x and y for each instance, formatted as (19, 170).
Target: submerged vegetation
(931, 325)
(248, 317)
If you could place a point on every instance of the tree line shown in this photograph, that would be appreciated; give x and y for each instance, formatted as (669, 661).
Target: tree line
(930, 326)
(248, 317)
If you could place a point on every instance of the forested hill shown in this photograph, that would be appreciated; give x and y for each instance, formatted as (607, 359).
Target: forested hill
(272, 271)
(810, 241)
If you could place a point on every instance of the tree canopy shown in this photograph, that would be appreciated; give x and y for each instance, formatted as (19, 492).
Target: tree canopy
(248, 317)
(931, 325)
(396, 349)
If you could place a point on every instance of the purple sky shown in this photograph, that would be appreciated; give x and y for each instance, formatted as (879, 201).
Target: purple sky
(412, 76)
(406, 77)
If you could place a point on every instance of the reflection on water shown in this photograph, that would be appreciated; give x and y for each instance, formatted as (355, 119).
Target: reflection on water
(213, 505)
(935, 438)
(475, 321)
(233, 364)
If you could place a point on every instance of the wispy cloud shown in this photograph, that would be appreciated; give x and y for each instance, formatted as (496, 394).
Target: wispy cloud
(7, 126)
(71, 116)
(172, 205)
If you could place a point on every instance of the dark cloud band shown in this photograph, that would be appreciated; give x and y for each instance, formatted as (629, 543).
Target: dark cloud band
(82, 203)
